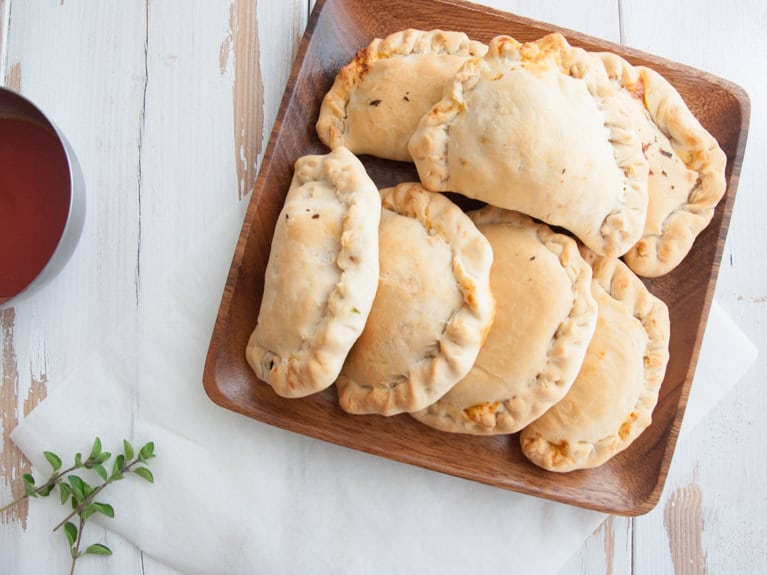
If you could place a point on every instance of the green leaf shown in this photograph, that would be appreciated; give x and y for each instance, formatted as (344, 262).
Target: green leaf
(53, 459)
(102, 472)
(64, 491)
(78, 487)
(97, 549)
(104, 509)
(117, 467)
(103, 457)
(144, 473)
(87, 489)
(146, 452)
(96, 449)
(128, 449)
(29, 485)
(86, 511)
(78, 459)
(47, 490)
(71, 532)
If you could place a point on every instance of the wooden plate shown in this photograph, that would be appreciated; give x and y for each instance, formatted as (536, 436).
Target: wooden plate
(630, 483)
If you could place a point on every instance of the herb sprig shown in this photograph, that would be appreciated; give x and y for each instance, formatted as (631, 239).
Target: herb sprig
(81, 495)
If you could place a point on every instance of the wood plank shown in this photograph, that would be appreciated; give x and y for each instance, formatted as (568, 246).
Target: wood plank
(709, 519)
(188, 160)
(124, 252)
(608, 550)
(165, 107)
(623, 485)
(210, 115)
(49, 56)
(258, 42)
(598, 18)
(4, 6)
(281, 26)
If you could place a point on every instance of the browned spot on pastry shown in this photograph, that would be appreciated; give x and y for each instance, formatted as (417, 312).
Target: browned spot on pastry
(483, 413)
(559, 450)
(625, 428)
(620, 284)
(642, 248)
(636, 89)
(375, 103)
(361, 60)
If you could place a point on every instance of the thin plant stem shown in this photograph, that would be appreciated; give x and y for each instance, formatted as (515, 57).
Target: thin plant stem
(125, 469)
(75, 551)
(47, 485)
(82, 495)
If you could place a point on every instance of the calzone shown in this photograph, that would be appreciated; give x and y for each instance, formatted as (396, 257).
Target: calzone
(686, 178)
(378, 98)
(533, 128)
(612, 399)
(432, 311)
(545, 317)
(321, 276)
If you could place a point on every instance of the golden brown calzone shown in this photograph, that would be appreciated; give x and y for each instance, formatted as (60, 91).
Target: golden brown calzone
(686, 178)
(612, 399)
(321, 276)
(533, 128)
(545, 317)
(432, 311)
(378, 98)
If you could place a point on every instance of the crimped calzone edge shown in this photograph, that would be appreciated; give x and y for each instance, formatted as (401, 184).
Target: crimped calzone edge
(545, 317)
(538, 117)
(433, 309)
(611, 402)
(321, 276)
(687, 167)
(377, 99)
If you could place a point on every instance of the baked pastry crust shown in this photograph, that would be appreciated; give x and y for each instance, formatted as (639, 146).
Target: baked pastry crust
(533, 128)
(432, 311)
(321, 276)
(378, 98)
(687, 166)
(545, 317)
(612, 399)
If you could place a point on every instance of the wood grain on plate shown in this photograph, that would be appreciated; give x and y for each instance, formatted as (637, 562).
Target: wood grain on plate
(630, 483)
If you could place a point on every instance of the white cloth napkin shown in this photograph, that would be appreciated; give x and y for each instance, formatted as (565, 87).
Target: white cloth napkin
(235, 496)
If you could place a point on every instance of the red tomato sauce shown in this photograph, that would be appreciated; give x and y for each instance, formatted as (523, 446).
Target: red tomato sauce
(34, 201)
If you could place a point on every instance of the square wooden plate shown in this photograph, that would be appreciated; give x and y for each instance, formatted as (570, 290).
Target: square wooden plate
(630, 483)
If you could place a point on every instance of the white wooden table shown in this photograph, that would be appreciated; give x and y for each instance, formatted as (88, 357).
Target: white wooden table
(169, 104)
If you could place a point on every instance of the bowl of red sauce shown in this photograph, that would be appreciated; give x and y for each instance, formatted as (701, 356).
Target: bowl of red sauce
(42, 199)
